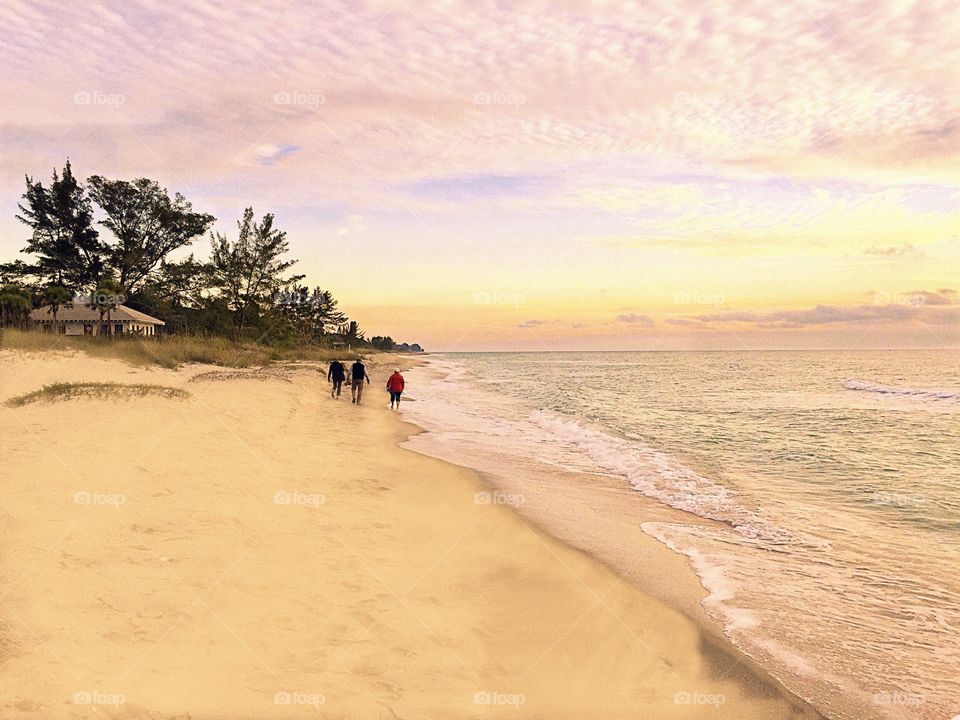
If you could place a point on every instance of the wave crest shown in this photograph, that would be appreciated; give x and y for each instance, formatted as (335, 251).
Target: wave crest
(866, 386)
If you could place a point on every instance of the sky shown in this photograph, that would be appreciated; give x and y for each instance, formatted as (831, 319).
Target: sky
(572, 174)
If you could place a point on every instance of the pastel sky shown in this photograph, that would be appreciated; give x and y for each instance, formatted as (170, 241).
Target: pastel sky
(535, 175)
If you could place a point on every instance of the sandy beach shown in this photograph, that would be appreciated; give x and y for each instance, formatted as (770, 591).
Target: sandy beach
(259, 550)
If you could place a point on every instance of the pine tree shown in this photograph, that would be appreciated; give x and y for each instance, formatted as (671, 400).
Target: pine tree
(67, 247)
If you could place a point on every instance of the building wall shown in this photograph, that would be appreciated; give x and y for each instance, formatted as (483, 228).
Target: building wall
(79, 328)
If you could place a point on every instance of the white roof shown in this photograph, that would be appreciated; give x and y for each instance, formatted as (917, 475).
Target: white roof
(81, 313)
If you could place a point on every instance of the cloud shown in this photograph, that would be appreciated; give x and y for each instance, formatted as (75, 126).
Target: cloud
(891, 250)
(533, 323)
(355, 224)
(920, 306)
(391, 92)
(638, 320)
(468, 188)
(940, 297)
(270, 154)
(495, 139)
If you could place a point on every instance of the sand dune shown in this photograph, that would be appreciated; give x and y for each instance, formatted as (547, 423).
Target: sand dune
(261, 551)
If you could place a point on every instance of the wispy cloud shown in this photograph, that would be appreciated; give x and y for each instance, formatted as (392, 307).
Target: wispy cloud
(922, 306)
(270, 154)
(638, 320)
(530, 145)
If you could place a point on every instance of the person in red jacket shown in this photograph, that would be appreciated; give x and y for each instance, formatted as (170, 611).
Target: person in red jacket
(395, 386)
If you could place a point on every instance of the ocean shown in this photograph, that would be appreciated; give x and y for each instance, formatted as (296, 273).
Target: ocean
(820, 492)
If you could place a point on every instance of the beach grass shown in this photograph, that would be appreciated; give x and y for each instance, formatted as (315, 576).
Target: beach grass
(98, 390)
(169, 351)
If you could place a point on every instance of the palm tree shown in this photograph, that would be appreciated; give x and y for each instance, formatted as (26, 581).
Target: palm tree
(56, 296)
(106, 299)
(15, 305)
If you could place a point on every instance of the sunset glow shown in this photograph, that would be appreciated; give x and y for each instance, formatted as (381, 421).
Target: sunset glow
(539, 175)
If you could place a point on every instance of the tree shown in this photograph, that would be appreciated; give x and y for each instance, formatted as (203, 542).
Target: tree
(250, 271)
(382, 343)
(185, 282)
(352, 332)
(15, 305)
(16, 271)
(325, 314)
(105, 299)
(313, 314)
(147, 223)
(68, 249)
(56, 297)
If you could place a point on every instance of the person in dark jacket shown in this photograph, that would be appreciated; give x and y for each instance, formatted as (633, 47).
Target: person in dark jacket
(358, 373)
(395, 386)
(335, 376)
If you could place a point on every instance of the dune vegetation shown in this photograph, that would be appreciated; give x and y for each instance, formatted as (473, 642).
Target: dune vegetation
(101, 390)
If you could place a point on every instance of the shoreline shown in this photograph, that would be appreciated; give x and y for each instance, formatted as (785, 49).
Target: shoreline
(393, 594)
(592, 519)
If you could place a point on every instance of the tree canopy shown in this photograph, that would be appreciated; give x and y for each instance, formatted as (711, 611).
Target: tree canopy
(246, 289)
(66, 247)
(147, 225)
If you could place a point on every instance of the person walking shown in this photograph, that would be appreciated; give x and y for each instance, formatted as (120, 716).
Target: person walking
(358, 373)
(335, 376)
(395, 386)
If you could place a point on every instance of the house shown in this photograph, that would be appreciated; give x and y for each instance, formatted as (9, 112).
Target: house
(82, 320)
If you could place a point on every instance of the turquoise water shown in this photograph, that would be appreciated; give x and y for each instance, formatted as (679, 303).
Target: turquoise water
(834, 478)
